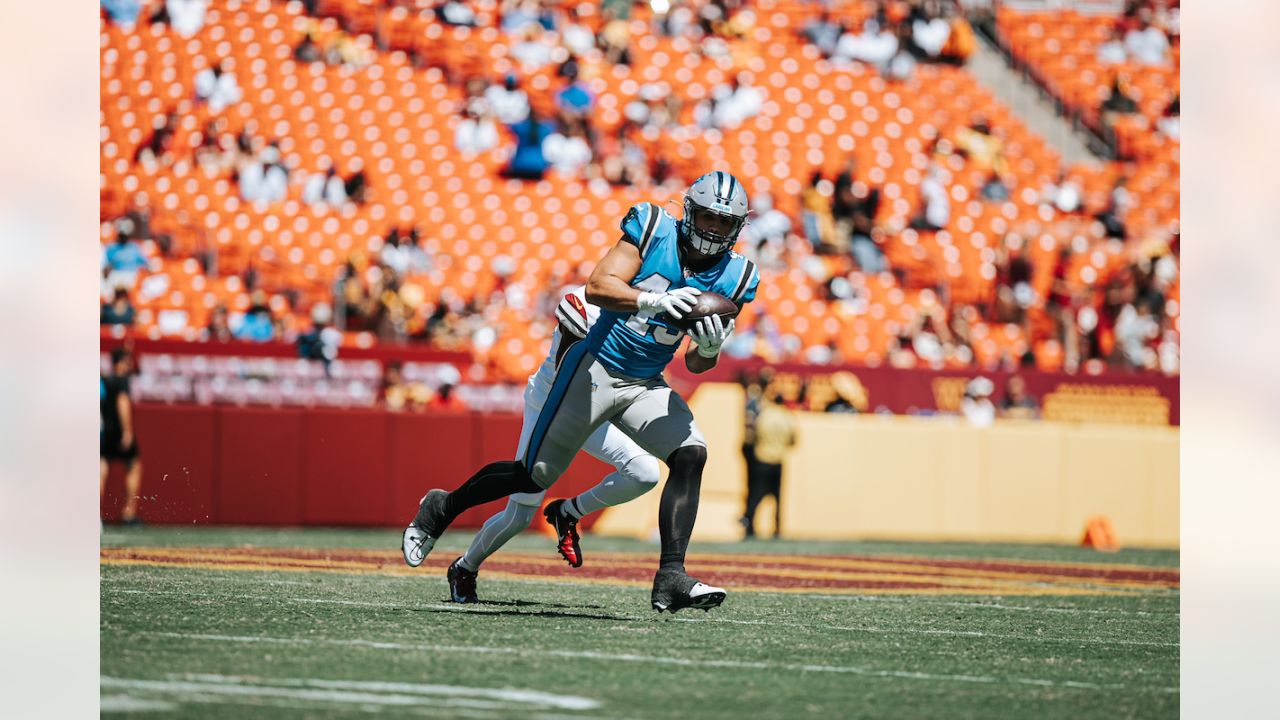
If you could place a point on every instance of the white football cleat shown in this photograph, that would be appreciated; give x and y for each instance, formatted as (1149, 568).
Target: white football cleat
(416, 545)
(418, 539)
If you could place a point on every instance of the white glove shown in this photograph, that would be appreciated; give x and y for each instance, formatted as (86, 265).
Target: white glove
(672, 302)
(709, 333)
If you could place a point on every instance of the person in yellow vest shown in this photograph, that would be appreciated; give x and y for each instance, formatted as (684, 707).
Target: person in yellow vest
(775, 435)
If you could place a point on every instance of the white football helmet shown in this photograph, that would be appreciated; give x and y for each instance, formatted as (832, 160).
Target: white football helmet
(715, 211)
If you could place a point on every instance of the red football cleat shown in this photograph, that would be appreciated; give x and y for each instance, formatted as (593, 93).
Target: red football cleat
(566, 528)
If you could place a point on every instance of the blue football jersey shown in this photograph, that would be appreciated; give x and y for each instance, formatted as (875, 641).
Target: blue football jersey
(640, 344)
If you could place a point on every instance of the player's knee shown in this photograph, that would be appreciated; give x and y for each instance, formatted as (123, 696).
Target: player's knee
(524, 480)
(688, 460)
(642, 470)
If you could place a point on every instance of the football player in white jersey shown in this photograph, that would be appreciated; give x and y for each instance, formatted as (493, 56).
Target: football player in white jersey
(637, 471)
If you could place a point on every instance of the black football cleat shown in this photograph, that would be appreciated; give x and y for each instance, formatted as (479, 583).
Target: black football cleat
(462, 583)
(673, 590)
(566, 527)
(426, 528)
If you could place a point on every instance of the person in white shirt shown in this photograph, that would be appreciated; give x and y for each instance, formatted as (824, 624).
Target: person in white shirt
(976, 405)
(186, 17)
(931, 35)
(508, 101)
(1147, 44)
(568, 152)
(1112, 51)
(874, 45)
(937, 204)
(325, 188)
(1064, 194)
(217, 87)
(475, 134)
(736, 102)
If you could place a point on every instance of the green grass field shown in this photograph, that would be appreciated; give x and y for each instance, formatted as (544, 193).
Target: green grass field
(213, 623)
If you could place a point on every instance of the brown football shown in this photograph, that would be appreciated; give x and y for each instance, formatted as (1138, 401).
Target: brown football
(709, 303)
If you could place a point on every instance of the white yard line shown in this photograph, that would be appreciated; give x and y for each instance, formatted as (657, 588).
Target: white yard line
(481, 702)
(648, 659)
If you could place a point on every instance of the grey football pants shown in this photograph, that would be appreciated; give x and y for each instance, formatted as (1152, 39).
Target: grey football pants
(586, 395)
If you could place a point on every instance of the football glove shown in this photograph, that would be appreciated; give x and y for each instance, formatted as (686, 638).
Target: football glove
(673, 302)
(709, 334)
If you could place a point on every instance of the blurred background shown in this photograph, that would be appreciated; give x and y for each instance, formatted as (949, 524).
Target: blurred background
(333, 234)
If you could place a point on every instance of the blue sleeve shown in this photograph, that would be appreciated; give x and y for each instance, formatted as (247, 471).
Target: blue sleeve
(639, 225)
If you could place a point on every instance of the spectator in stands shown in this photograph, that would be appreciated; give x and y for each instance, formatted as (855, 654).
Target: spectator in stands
(219, 328)
(528, 161)
(568, 152)
(321, 341)
(123, 12)
(475, 134)
(1017, 402)
(446, 398)
(1137, 328)
(264, 177)
(775, 435)
(158, 147)
(815, 214)
(508, 101)
(1064, 194)
(308, 51)
(730, 104)
(217, 87)
(765, 236)
(117, 439)
(357, 183)
(935, 209)
(854, 207)
(257, 324)
(1118, 101)
(455, 12)
(575, 34)
(1112, 51)
(186, 17)
(1014, 293)
(983, 150)
(903, 64)
(875, 45)
(929, 30)
(1119, 202)
(119, 311)
(976, 405)
(1169, 123)
(395, 394)
(535, 51)
(1146, 43)
(325, 187)
(124, 257)
(614, 39)
(824, 32)
(575, 99)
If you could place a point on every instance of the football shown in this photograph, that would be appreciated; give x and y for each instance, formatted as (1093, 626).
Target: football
(709, 303)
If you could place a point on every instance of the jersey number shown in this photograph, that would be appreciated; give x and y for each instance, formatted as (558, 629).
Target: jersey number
(640, 321)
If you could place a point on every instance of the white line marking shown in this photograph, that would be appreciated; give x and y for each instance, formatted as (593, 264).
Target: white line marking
(357, 692)
(128, 703)
(651, 659)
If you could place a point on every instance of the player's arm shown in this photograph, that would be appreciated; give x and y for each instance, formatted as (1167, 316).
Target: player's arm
(609, 286)
(696, 362)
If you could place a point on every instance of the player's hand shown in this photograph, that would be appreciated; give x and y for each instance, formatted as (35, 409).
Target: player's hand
(672, 302)
(709, 334)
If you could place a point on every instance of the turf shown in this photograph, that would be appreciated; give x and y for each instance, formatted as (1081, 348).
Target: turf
(206, 641)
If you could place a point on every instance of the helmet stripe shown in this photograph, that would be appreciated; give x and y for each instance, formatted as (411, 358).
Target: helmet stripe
(733, 187)
(720, 185)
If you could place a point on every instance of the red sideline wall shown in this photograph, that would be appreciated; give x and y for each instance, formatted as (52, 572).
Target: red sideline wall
(294, 466)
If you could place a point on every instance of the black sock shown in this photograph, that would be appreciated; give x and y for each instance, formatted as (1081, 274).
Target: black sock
(493, 481)
(678, 508)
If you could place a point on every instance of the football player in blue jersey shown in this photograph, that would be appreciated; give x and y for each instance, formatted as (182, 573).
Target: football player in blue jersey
(653, 274)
